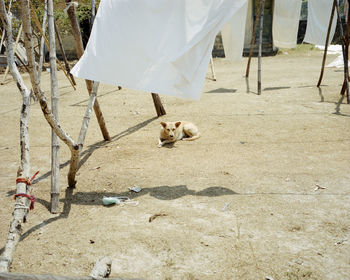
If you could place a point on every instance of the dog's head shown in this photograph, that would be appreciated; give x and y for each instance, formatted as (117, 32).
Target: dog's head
(169, 128)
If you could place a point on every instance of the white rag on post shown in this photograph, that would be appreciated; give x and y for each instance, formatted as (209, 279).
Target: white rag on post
(319, 13)
(285, 26)
(233, 34)
(160, 46)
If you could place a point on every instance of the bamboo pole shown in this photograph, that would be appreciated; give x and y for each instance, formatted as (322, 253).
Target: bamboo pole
(42, 41)
(37, 23)
(345, 50)
(326, 44)
(80, 50)
(21, 205)
(63, 53)
(55, 143)
(252, 43)
(15, 49)
(260, 44)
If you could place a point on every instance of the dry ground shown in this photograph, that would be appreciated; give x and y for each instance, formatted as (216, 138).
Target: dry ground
(239, 203)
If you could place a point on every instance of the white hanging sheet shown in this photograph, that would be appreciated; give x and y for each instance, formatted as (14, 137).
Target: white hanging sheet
(233, 34)
(319, 13)
(160, 46)
(285, 26)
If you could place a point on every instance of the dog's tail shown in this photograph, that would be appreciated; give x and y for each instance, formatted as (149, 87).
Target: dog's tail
(192, 138)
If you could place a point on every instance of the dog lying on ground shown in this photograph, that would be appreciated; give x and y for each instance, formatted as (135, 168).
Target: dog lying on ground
(173, 131)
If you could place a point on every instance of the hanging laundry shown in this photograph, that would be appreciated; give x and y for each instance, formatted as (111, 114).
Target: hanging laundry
(286, 16)
(233, 34)
(319, 13)
(160, 46)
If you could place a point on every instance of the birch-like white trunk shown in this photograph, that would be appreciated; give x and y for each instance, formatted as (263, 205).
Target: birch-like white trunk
(55, 143)
(21, 204)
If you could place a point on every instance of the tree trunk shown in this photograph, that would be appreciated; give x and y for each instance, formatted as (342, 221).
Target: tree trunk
(55, 143)
(21, 205)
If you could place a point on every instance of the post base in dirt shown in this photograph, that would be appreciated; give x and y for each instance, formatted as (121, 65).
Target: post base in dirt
(158, 105)
(55, 203)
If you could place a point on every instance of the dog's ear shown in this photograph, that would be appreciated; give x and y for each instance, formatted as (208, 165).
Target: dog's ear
(177, 124)
(163, 124)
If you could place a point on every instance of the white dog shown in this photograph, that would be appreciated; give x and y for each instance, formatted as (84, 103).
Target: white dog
(173, 131)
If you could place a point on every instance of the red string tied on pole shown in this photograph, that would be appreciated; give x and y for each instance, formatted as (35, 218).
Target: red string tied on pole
(26, 180)
(30, 197)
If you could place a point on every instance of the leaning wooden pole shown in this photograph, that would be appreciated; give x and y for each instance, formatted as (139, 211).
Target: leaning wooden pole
(55, 143)
(73, 168)
(345, 49)
(59, 39)
(37, 23)
(260, 44)
(42, 41)
(50, 118)
(252, 43)
(23, 195)
(158, 105)
(80, 50)
(326, 44)
(92, 14)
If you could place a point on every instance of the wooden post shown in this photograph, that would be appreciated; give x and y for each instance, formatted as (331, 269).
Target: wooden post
(260, 44)
(252, 43)
(21, 205)
(55, 143)
(63, 53)
(76, 154)
(80, 50)
(345, 50)
(212, 68)
(42, 42)
(158, 105)
(92, 14)
(326, 44)
(347, 39)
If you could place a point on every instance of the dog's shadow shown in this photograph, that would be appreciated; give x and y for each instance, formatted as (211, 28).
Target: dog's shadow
(169, 145)
(160, 192)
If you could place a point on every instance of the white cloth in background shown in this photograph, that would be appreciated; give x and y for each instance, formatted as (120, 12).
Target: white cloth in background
(319, 13)
(160, 46)
(285, 26)
(233, 34)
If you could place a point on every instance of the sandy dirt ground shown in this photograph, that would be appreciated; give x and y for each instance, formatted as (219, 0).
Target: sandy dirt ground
(242, 202)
